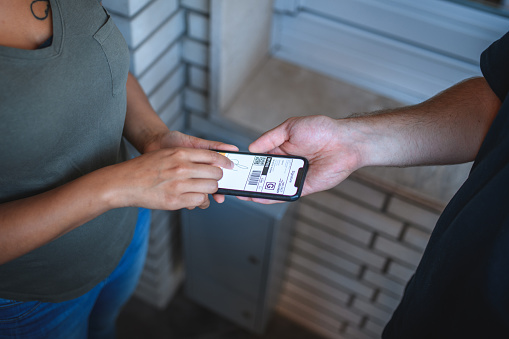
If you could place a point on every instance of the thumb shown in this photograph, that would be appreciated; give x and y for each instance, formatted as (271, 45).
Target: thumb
(270, 140)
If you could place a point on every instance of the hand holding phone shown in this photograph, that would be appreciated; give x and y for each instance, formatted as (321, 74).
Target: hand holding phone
(267, 176)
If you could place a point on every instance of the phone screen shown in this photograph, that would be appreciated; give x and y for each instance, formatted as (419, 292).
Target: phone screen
(264, 174)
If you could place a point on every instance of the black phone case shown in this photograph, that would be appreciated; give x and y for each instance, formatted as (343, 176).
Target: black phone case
(301, 176)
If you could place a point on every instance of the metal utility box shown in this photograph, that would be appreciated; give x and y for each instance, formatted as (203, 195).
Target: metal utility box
(234, 256)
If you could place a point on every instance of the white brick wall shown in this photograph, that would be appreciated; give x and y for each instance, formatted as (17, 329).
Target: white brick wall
(196, 5)
(369, 218)
(198, 78)
(364, 306)
(172, 112)
(321, 288)
(195, 52)
(196, 101)
(346, 248)
(383, 282)
(355, 246)
(401, 272)
(334, 225)
(198, 26)
(152, 48)
(172, 85)
(139, 27)
(409, 212)
(397, 251)
(388, 301)
(127, 8)
(161, 69)
(362, 193)
(325, 255)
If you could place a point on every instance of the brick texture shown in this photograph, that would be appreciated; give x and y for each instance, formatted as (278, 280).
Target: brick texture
(361, 242)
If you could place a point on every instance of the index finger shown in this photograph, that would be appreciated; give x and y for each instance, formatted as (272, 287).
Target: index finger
(211, 145)
(214, 158)
(201, 156)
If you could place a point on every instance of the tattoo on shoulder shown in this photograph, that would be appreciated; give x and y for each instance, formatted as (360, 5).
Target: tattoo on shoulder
(40, 9)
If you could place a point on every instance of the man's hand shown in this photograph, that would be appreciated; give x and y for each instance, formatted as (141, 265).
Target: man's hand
(446, 129)
(317, 138)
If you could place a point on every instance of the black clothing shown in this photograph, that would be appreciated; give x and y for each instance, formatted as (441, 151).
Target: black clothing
(461, 286)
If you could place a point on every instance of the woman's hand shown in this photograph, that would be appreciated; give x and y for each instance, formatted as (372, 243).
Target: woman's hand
(170, 139)
(147, 133)
(168, 178)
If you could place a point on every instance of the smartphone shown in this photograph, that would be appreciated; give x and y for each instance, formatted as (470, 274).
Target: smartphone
(267, 176)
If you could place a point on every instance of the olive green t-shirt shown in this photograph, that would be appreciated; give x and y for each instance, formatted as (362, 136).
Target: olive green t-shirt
(62, 112)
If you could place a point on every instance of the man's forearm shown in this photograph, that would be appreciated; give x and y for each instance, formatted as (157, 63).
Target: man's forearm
(446, 129)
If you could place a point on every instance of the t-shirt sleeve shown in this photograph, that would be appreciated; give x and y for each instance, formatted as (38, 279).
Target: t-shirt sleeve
(495, 66)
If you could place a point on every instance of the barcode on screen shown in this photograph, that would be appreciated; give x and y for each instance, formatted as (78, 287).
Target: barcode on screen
(254, 177)
(259, 161)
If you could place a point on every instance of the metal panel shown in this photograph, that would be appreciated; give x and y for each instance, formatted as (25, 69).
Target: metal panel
(228, 243)
(402, 21)
(403, 49)
(404, 72)
(222, 300)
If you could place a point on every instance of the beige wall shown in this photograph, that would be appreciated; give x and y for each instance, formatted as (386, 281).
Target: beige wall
(239, 44)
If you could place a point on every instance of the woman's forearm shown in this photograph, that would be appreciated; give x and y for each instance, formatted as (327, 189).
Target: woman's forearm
(29, 223)
(166, 179)
(142, 124)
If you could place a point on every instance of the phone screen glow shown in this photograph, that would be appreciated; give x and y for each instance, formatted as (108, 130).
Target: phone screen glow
(261, 173)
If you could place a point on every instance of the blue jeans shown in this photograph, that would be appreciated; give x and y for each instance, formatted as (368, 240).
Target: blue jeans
(93, 315)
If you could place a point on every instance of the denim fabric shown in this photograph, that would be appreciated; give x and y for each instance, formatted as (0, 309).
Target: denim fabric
(93, 315)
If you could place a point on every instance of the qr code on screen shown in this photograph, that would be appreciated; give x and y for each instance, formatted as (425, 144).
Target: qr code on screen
(259, 161)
